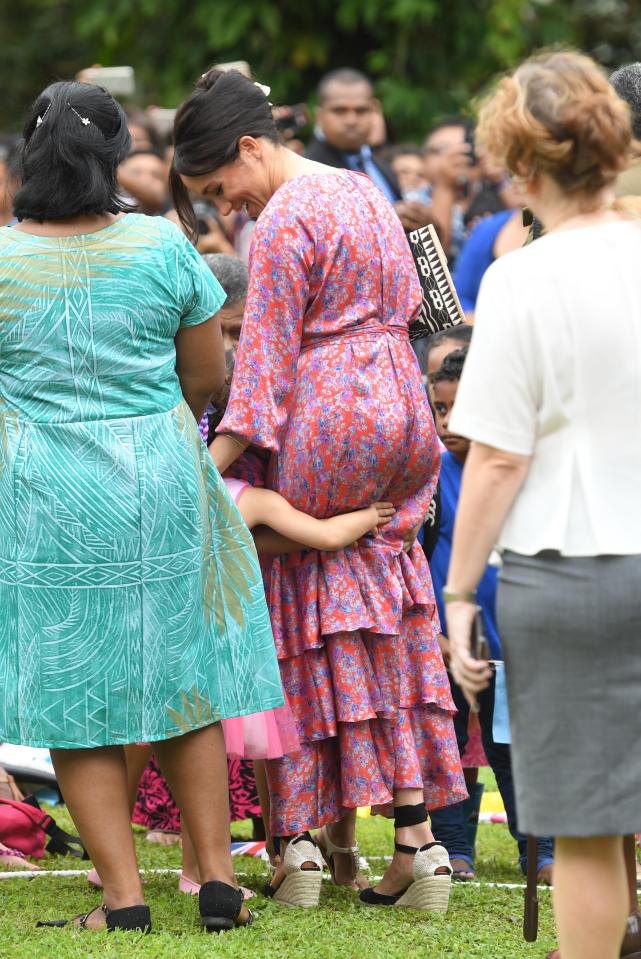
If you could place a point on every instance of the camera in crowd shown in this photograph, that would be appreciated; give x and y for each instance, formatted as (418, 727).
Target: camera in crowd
(290, 120)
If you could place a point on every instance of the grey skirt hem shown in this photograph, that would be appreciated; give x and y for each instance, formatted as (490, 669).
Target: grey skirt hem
(571, 630)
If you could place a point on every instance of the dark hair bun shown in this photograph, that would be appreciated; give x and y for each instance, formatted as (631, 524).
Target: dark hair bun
(209, 79)
(224, 107)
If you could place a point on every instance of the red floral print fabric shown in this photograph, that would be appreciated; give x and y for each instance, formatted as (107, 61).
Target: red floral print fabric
(326, 380)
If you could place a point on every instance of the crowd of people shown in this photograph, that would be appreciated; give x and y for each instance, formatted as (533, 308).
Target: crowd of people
(220, 587)
(444, 180)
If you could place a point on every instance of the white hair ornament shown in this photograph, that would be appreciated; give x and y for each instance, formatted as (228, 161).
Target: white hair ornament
(42, 119)
(84, 120)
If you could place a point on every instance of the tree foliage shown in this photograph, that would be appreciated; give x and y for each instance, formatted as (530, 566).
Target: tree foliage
(428, 58)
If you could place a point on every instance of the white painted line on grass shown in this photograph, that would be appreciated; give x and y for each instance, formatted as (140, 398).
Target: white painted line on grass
(41, 873)
(46, 873)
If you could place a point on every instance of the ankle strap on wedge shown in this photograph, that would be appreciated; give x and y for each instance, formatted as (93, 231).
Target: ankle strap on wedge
(409, 815)
(412, 850)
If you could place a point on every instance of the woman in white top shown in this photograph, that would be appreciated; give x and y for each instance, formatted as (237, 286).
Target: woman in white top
(552, 401)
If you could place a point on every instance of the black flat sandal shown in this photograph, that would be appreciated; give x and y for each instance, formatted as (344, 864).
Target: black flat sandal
(220, 906)
(129, 919)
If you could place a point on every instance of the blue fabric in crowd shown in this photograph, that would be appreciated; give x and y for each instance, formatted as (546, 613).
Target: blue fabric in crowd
(501, 732)
(475, 257)
(363, 163)
(451, 475)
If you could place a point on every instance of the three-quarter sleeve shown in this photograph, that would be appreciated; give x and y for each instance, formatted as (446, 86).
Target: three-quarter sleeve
(499, 395)
(281, 259)
(198, 293)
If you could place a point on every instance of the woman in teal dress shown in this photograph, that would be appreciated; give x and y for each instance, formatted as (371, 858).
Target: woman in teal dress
(131, 603)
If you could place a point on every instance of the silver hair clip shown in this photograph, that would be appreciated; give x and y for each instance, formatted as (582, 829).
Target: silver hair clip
(84, 120)
(44, 116)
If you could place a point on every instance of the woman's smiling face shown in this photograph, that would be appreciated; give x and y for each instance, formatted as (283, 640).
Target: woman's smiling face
(242, 183)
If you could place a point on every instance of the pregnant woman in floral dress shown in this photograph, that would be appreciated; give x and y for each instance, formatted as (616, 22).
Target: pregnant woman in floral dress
(326, 381)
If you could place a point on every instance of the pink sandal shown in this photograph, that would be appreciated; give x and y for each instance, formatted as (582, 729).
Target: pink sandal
(189, 886)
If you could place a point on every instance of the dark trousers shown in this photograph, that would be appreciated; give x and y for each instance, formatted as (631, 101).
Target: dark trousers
(448, 824)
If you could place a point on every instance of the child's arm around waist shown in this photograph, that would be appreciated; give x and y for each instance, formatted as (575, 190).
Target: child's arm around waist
(262, 507)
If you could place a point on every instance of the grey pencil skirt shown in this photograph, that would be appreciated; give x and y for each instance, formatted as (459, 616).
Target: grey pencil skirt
(571, 634)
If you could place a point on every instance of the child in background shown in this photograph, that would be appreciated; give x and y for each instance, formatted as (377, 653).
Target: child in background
(433, 350)
(449, 825)
(270, 734)
(438, 345)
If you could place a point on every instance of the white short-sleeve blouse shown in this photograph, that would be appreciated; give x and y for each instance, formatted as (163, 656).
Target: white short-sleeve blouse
(554, 372)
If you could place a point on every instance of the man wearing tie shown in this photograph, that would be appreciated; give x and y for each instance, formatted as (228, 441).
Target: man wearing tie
(345, 117)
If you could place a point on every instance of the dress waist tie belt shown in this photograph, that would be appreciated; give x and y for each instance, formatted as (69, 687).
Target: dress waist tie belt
(370, 329)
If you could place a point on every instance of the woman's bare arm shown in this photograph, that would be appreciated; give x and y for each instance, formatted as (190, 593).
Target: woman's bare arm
(200, 363)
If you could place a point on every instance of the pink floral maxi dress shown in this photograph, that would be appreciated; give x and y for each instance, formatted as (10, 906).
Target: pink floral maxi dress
(326, 380)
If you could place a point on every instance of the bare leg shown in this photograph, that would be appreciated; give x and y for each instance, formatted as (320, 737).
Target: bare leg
(630, 856)
(137, 757)
(398, 874)
(590, 881)
(265, 806)
(94, 786)
(196, 769)
(190, 861)
(343, 833)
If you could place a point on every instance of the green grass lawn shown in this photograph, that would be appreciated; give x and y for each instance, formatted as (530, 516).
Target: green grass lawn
(481, 922)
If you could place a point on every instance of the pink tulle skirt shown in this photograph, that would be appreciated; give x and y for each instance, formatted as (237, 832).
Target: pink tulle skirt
(268, 735)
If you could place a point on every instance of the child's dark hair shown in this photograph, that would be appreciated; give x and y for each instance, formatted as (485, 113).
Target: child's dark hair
(451, 368)
(459, 334)
(74, 138)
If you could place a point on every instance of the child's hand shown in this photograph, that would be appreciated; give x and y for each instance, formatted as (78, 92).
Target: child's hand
(410, 537)
(383, 513)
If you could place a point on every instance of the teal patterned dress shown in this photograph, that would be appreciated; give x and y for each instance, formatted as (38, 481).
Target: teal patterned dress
(131, 602)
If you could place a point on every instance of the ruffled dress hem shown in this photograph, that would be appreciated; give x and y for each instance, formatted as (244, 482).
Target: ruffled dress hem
(372, 700)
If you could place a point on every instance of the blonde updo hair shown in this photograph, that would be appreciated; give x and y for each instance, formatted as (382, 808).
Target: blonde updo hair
(557, 114)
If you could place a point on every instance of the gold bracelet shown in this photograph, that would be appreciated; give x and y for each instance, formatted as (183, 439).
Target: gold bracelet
(238, 440)
(467, 597)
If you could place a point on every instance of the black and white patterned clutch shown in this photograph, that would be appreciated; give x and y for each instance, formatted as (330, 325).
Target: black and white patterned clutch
(441, 307)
